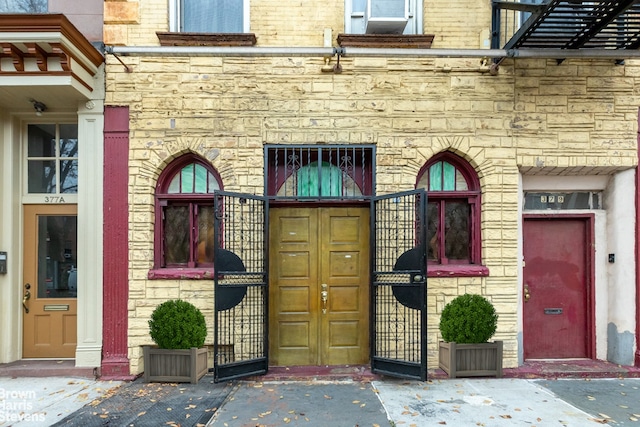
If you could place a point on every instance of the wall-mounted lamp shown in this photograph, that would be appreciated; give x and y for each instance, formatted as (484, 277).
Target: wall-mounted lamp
(40, 107)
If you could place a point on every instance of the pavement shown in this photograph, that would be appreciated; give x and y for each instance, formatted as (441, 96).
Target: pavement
(360, 401)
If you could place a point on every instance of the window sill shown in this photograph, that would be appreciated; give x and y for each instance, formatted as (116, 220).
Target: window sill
(407, 41)
(457, 270)
(206, 39)
(181, 273)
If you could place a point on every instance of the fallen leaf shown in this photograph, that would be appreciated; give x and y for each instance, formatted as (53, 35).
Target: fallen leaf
(591, 398)
(506, 416)
(141, 413)
(604, 415)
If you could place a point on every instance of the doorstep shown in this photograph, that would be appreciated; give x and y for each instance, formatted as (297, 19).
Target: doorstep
(45, 368)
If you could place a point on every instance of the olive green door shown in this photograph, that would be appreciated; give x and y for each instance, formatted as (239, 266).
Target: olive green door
(319, 286)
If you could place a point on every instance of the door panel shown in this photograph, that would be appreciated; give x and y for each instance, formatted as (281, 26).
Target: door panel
(319, 286)
(50, 281)
(556, 280)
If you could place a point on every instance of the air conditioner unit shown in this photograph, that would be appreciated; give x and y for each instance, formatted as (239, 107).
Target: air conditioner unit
(386, 16)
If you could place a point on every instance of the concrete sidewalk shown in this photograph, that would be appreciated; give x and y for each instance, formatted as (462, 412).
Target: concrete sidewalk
(320, 403)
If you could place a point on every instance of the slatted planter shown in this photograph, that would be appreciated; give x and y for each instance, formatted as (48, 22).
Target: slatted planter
(471, 360)
(176, 366)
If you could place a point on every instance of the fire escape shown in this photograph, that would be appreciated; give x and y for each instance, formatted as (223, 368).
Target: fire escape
(582, 28)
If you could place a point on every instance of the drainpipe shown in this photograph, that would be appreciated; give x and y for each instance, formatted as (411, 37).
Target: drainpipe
(369, 52)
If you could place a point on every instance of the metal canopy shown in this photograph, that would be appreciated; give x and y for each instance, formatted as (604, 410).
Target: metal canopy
(567, 24)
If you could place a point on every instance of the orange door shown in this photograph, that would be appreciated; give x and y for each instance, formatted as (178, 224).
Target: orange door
(556, 288)
(50, 281)
(318, 290)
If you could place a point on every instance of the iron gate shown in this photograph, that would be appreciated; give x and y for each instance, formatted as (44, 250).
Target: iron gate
(399, 285)
(240, 315)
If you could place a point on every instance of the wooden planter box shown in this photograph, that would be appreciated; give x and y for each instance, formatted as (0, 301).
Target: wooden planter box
(177, 366)
(471, 360)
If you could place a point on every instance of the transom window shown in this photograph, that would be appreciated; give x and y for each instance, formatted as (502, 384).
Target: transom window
(383, 16)
(52, 158)
(184, 214)
(453, 211)
(319, 172)
(209, 16)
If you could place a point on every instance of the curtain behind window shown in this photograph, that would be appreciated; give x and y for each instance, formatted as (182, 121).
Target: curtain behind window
(212, 16)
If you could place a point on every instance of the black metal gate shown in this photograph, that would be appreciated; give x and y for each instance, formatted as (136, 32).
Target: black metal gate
(399, 285)
(240, 294)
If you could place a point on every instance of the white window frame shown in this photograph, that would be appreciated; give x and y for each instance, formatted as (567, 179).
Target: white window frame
(174, 16)
(414, 26)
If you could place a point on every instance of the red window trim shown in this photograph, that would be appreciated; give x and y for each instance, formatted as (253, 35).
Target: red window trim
(162, 198)
(474, 266)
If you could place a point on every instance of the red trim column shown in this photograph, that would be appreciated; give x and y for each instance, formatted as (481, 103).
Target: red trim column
(637, 355)
(115, 363)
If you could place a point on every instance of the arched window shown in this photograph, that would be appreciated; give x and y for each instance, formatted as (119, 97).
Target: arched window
(184, 214)
(453, 212)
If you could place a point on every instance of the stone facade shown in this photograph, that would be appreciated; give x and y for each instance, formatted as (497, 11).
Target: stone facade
(534, 117)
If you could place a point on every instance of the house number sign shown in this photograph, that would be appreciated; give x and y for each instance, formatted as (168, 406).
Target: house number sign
(54, 199)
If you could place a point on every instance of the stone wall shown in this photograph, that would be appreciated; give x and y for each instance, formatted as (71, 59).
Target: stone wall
(535, 117)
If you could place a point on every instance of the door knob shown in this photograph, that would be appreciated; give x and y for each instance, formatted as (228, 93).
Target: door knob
(26, 297)
(527, 294)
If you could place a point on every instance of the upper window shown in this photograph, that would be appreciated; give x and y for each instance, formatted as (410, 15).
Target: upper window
(21, 6)
(383, 16)
(209, 16)
(52, 159)
(184, 214)
(453, 212)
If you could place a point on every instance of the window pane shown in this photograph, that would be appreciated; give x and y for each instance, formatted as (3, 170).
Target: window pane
(205, 235)
(186, 176)
(435, 177)
(358, 5)
(200, 179)
(212, 16)
(174, 186)
(433, 223)
(449, 177)
(22, 6)
(457, 230)
(176, 234)
(41, 176)
(57, 254)
(213, 183)
(42, 141)
(69, 176)
(461, 182)
(69, 140)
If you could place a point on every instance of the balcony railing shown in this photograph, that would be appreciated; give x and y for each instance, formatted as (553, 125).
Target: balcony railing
(566, 24)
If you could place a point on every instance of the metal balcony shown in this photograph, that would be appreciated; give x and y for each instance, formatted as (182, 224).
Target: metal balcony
(566, 24)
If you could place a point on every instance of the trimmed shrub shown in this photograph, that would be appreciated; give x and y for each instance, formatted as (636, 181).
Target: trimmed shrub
(177, 324)
(468, 319)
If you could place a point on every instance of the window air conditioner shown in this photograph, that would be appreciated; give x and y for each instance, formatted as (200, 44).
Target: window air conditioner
(386, 16)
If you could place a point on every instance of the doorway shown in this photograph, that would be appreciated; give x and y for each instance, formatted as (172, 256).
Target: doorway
(50, 281)
(557, 281)
(319, 286)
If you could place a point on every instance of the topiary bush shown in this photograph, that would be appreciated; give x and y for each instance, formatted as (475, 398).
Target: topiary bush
(468, 319)
(177, 324)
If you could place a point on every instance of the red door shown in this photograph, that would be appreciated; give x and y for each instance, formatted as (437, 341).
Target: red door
(556, 294)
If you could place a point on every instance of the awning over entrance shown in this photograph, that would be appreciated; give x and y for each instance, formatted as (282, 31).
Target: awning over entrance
(44, 57)
(566, 24)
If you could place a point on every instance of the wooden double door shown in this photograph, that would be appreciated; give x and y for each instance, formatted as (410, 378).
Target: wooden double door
(319, 286)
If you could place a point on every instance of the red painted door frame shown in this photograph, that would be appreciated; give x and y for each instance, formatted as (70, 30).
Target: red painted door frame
(589, 274)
